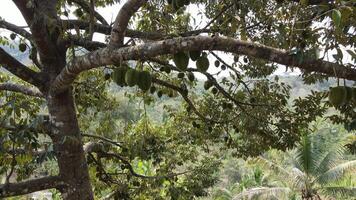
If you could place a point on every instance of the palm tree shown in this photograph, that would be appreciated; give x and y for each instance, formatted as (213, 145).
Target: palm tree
(311, 176)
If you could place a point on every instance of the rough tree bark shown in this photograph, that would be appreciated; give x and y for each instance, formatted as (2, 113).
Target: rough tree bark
(68, 146)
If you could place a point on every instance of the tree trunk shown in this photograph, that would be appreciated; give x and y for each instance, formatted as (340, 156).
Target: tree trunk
(68, 146)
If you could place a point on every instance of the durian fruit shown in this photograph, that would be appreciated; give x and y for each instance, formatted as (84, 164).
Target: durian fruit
(160, 93)
(167, 69)
(118, 76)
(202, 64)
(152, 89)
(180, 75)
(348, 94)
(22, 47)
(12, 36)
(217, 63)
(181, 60)
(214, 90)
(194, 55)
(191, 76)
(144, 80)
(131, 77)
(107, 76)
(207, 84)
(337, 96)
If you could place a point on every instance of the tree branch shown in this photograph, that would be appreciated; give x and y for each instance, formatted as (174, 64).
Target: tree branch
(107, 56)
(122, 21)
(20, 89)
(87, 9)
(106, 30)
(16, 29)
(18, 69)
(26, 187)
(87, 44)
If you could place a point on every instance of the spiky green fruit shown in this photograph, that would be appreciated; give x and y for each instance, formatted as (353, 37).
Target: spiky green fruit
(214, 90)
(22, 47)
(180, 75)
(207, 84)
(337, 96)
(12, 36)
(191, 76)
(181, 60)
(118, 76)
(131, 77)
(202, 64)
(167, 69)
(349, 94)
(144, 80)
(152, 89)
(160, 93)
(194, 55)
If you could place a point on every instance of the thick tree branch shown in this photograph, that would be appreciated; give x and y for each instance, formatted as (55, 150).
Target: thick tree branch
(86, 8)
(109, 56)
(21, 89)
(16, 29)
(122, 21)
(26, 187)
(18, 69)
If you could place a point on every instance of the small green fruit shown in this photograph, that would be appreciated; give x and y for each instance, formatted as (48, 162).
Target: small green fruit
(167, 69)
(131, 77)
(118, 76)
(152, 89)
(214, 90)
(12, 36)
(191, 76)
(144, 80)
(181, 60)
(207, 84)
(180, 75)
(223, 67)
(349, 94)
(217, 63)
(194, 55)
(337, 96)
(159, 93)
(202, 64)
(22, 47)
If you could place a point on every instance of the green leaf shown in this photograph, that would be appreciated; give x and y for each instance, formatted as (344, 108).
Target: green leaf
(336, 16)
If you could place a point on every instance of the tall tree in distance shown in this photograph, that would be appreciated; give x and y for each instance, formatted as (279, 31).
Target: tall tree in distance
(260, 36)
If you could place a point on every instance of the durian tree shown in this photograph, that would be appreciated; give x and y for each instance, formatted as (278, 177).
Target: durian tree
(160, 47)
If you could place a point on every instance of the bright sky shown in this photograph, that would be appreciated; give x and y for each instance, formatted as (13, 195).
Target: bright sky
(10, 13)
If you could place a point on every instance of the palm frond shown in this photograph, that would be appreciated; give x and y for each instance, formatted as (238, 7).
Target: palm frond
(336, 172)
(266, 192)
(330, 159)
(274, 166)
(307, 156)
(299, 178)
(339, 191)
